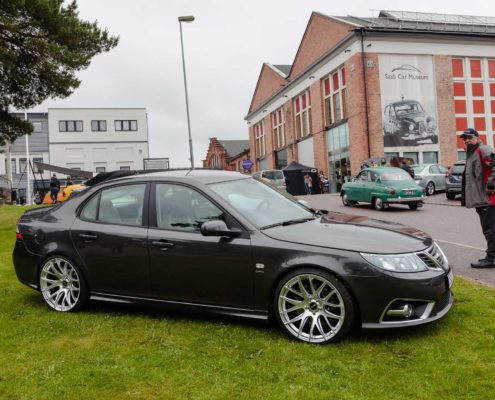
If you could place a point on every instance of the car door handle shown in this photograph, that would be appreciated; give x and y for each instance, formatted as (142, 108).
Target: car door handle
(88, 236)
(162, 244)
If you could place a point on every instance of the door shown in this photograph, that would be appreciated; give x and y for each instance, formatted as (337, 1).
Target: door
(110, 235)
(189, 267)
(438, 176)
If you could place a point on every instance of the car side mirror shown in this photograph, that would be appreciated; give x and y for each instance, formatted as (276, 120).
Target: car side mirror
(378, 180)
(218, 228)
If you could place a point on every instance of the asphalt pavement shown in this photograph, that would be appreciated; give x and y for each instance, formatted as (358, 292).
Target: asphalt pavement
(456, 229)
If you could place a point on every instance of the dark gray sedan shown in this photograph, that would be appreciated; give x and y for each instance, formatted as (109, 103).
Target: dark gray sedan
(225, 243)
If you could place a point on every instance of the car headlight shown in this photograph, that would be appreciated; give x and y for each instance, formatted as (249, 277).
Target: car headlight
(411, 127)
(396, 262)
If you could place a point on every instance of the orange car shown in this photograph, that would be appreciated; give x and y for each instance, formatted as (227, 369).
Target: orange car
(64, 193)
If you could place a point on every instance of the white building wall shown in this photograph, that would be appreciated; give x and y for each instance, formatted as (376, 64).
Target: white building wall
(88, 150)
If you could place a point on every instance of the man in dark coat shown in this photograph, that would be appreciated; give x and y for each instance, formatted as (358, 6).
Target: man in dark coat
(478, 190)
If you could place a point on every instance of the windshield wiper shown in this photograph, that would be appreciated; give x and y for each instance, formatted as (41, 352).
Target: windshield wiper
(289, 222)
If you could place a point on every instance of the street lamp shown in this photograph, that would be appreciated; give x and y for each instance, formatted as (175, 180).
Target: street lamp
(187, 18)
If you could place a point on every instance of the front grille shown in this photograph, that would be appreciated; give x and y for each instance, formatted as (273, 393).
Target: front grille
(433, 257)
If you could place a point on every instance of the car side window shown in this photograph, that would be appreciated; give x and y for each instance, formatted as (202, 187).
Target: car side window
(90, 209)
(363, 176)
(182, 208)
(122, 205)
(372, 177)
(434, 170)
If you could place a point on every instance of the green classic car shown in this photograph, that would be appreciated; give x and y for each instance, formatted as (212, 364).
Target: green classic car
(382, 186)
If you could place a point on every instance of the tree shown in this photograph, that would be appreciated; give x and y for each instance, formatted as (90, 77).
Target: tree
(43, 43)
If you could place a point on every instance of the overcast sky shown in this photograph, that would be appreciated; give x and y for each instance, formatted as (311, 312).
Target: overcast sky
(225, 48)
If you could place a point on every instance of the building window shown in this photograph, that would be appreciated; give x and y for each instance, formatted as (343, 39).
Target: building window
(22, 165)
(278, 127)
(13, 166)
(70, 126)
(125, 125)
(125, 168)
(259, 134)
(474, 97)
(35, 160)
(334, 94)
(98, 126)
(100, 169)
(302, 105)
(37, 127)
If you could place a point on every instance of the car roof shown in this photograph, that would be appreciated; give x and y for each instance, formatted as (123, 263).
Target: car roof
(205, 176)
(397, 103)
(384, 170)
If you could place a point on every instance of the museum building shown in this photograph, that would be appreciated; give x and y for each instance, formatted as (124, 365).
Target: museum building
(402, 83)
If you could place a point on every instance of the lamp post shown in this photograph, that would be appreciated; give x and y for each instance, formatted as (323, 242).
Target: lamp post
(188, 18)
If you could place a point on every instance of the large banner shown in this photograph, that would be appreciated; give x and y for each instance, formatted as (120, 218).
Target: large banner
(408, 95)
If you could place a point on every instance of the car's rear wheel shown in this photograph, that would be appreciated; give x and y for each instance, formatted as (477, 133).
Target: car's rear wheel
(62, 285)
(430, 188)
(379, 204)
(313, 306)
(450, 195)
(413, 206)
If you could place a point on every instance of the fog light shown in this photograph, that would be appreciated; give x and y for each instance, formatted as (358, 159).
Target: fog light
(405, 311)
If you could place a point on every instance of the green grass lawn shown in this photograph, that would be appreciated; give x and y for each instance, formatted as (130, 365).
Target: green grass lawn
(122, 352)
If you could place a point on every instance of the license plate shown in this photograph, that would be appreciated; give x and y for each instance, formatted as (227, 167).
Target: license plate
(408, 192)
(450, 278)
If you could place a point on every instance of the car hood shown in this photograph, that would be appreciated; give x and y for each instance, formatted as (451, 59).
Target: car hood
(354, 233)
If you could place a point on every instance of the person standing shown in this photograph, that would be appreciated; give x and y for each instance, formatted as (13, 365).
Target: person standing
(54, 188)
(478, 190)
(308, 184)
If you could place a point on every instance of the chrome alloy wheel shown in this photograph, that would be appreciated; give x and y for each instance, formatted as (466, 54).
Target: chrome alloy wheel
(311, 308)
(60, 284)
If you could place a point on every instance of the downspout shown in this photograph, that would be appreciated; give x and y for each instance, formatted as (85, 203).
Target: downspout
(365, 93)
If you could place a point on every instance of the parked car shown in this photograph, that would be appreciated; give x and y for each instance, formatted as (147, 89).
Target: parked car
(406, 122)
(382, 186)
(430, 176)
(273, 176)
(453, 179)
(225, 243)
(64, 193)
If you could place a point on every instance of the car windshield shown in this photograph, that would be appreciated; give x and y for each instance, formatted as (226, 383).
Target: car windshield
(259, 203)
(273, 175)
(396, 176)
(408, 108)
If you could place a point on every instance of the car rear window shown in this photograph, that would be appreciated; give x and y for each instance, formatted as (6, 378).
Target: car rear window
(458, 168)
(273, 175)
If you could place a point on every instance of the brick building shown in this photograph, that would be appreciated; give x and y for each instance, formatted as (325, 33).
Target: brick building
(227, 154)
(402, 83)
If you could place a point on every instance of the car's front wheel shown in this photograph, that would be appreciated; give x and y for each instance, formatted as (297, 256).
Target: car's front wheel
(62, 285)
(313, 306)
(430, 188)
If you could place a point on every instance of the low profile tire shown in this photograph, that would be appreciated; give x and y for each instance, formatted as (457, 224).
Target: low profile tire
(450, 195)
(62, 285)
(313, 306)
(430, 188)
(378, 204)
(413, 206)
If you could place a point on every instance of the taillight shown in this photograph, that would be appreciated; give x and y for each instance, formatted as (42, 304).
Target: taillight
(63, 193)
(393, 191)
(18, 234)
(424, 190)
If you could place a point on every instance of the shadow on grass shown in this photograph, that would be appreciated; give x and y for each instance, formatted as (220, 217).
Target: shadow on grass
(269, 327)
